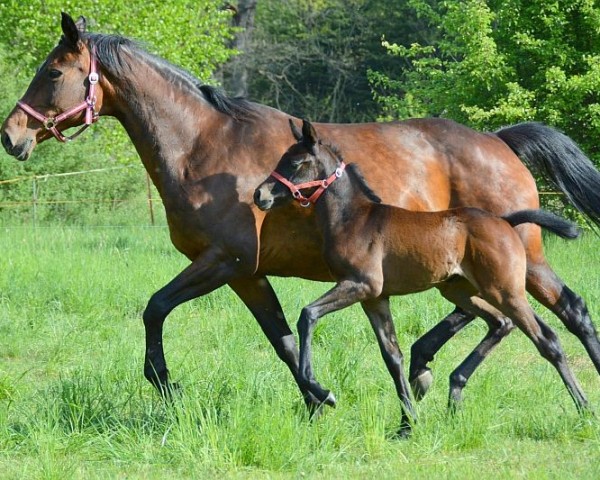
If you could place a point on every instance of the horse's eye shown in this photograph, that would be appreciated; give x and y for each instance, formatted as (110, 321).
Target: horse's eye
(53, 73)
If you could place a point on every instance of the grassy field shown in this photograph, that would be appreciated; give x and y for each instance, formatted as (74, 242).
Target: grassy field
(74, 403)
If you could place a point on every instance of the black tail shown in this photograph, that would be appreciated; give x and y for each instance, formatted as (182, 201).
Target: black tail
(557, 157)
(553, 223)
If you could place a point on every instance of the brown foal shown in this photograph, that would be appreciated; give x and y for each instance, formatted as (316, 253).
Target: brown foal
(474, 258)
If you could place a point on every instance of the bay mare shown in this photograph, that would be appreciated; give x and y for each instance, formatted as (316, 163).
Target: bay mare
(206, 152)
(474, 258)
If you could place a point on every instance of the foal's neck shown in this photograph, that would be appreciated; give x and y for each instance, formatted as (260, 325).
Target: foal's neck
(341, 203)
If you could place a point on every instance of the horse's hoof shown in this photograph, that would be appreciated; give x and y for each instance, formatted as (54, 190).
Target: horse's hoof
(421, 383)
(330, 400)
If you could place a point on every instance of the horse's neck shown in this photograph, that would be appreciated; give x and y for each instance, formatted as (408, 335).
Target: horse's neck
(163, 120)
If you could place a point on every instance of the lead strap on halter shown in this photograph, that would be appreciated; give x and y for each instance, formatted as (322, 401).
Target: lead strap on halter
(88, 105)
(321, 184)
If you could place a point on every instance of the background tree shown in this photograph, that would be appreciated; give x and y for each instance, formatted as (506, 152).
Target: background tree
(310, 57)
(499, 62)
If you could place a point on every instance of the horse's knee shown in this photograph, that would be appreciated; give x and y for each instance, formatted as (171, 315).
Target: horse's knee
(156, 310)
(308, 318)
(286, 348)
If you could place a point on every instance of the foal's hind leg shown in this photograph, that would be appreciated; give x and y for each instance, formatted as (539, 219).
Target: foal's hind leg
(378, 311)
(547, 344)
(424, 349)
(461, 293)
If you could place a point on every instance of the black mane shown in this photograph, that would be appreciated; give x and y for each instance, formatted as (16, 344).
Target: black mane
(355, 174)
(110, 49)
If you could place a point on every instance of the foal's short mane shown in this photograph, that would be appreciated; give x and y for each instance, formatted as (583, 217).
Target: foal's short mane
(109, 51)
(356, 174)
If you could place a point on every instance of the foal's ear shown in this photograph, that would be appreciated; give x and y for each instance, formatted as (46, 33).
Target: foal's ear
(81, 24)
(309, 136)
(295, 131)
(71, 31)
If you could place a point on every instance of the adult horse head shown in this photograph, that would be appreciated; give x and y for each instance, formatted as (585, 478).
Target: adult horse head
(205, 153)
(53, 99)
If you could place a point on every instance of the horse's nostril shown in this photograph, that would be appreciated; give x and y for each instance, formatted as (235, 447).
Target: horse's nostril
(6, 142)
(257, 196)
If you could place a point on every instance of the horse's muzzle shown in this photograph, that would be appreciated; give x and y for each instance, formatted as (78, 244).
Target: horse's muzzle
(20, 151)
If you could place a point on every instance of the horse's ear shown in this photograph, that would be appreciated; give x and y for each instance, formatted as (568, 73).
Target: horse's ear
(81, 24)
(295, 131)
(71, 32)
(309, 136)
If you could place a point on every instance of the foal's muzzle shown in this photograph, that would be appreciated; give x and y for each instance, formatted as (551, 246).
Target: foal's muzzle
(261, 201)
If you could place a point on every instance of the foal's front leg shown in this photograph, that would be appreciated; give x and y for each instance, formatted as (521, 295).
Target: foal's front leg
(344, 294)
(378, 311)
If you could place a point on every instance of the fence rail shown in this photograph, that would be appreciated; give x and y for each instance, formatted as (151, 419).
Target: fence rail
(34, 202)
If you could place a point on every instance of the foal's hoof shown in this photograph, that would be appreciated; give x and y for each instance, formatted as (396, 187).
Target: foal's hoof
(421, 383)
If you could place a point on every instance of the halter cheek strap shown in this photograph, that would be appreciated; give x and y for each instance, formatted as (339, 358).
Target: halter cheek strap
(321, 184)
(89, 104)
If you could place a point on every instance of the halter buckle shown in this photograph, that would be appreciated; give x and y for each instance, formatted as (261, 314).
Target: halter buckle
(93, 78)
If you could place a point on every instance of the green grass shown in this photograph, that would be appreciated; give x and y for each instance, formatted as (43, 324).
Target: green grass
(74, 403)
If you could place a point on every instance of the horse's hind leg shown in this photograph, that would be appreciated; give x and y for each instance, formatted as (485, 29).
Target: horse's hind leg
(424, 349)
(259, 297)
(547, 344)
(378, 311)
(545, 286)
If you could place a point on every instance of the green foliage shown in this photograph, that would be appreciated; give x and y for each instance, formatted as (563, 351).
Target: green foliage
(189, 34)
(29, 29)
(499, 62)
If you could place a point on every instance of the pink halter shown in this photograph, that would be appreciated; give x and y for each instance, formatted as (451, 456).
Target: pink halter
(88, 105)
(322, 184)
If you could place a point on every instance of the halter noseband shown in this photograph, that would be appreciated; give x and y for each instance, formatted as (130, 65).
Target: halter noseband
(322, 184)
(88, 105)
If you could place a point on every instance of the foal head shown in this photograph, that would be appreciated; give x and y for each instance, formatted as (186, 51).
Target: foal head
(305, 171)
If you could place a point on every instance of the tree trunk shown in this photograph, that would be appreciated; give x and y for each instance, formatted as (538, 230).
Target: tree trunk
(236, 70)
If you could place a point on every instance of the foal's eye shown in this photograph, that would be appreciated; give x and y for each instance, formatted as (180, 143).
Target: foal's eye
(54, 74)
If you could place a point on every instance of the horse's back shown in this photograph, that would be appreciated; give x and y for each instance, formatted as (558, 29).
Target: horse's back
(435, 164)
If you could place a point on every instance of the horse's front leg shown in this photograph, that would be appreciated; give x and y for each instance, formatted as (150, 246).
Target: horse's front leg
(206, 273)
(345, 293)
(258, 295)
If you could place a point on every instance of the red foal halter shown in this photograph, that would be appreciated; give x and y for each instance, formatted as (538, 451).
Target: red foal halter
(321, 184)
(88, 105)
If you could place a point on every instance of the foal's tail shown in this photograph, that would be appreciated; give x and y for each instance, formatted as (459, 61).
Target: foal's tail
(553, 223)
(559, 159)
